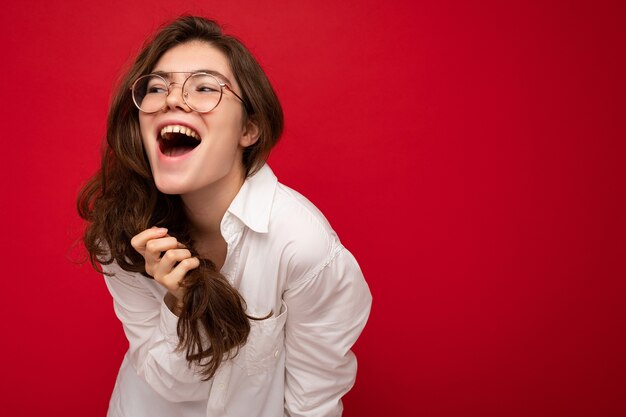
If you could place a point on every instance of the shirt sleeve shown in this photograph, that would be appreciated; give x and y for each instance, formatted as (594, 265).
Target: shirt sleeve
(150, 328)
(327, 313)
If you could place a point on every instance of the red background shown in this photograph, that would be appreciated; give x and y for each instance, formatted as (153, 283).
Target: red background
(470, 154)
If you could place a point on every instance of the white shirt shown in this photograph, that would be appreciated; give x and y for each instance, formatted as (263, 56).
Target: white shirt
(284, 257)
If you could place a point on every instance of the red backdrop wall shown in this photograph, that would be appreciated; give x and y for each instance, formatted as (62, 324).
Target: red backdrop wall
(470, 154)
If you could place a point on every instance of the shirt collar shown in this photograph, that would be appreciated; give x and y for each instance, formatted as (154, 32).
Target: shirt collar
(253, 203)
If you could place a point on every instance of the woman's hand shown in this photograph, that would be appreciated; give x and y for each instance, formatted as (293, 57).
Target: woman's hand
(167, 260)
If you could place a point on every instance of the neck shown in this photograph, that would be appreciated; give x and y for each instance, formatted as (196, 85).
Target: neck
(205, 208)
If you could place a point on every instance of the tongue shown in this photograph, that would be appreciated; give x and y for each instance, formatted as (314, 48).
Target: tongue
(178, 150)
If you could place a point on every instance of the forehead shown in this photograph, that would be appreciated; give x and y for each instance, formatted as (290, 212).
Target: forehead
(194, 56)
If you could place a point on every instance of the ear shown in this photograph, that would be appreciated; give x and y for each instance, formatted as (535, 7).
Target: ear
(250, 133)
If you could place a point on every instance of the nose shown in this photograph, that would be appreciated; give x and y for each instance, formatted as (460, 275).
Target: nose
(174, 99)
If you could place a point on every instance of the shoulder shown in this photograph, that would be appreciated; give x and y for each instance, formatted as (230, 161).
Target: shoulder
(299, 221)
(306, 240)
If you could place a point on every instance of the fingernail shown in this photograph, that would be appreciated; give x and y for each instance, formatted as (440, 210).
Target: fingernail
(161, 230)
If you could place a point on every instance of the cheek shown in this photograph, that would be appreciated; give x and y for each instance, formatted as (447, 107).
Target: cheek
(225, 131)
(144, 130)
(235, 125)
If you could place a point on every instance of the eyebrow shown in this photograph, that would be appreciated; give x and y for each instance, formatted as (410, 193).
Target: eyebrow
(217, 74)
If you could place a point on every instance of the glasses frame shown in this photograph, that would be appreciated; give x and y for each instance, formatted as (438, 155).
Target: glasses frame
(169, 84)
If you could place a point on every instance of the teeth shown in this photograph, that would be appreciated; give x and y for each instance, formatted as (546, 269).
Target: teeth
(178, 129)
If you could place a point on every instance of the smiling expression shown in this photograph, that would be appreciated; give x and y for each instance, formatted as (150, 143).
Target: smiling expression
(190, 151)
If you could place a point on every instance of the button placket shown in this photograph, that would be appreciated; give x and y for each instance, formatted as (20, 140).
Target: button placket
(217, 399)
(232, 231)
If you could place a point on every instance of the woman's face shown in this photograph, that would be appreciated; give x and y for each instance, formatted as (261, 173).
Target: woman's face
(209, 156)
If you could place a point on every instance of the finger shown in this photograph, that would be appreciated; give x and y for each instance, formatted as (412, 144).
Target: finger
(156, 247)
(169, 260)
(172, 280)
(140, 240)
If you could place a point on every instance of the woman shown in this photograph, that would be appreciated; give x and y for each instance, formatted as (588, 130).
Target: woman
(235, 294)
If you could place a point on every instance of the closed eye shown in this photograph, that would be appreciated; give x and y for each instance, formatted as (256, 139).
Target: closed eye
(206, 89)
(156, 89)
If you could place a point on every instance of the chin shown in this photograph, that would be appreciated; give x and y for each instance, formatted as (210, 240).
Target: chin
(171, 188)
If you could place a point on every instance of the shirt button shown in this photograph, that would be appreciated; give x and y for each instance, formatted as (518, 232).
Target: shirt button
(276, 353)
(222, 386)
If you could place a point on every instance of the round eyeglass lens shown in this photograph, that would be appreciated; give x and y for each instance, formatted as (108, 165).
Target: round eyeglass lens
(149, 93)
(202, 92)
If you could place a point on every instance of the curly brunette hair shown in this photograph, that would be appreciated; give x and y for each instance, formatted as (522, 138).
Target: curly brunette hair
(121, 199)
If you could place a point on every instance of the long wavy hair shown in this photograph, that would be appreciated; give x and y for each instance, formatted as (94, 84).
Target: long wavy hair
(121, 199)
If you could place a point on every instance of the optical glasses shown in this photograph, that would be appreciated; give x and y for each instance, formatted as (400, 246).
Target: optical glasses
(202, 92)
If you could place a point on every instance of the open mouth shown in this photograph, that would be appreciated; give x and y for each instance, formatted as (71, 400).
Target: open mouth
(175, 140)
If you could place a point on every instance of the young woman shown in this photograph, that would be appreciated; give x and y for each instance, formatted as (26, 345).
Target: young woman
(235, 294)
